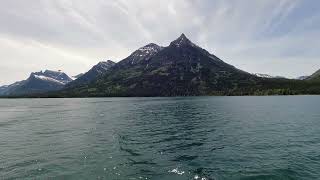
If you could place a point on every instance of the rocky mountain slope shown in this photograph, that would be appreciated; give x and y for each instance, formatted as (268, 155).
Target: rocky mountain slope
(180, 69)
(38, 82)
(94, 73)
(315, 76)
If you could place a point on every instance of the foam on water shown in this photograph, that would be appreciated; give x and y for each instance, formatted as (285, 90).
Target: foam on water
(176, 171)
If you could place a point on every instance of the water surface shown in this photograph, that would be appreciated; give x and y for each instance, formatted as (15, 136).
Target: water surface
(161, 138)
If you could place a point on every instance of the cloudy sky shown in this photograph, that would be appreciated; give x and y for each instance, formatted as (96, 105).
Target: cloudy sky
(277, 37)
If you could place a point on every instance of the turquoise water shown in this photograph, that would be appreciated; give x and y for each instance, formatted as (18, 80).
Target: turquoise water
(161, 138)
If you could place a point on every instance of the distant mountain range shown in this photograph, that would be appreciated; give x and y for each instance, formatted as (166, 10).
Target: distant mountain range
(47, 81)
(281, 77)
(267, 76)
(302, 77)
(183, 69)
(180, 69)
(38, 82)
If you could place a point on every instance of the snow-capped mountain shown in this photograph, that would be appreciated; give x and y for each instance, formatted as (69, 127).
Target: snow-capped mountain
(103, 66)
(37, 82)
(267, 76)
(180, 69)
(53, 76)
(96, 71)
(142, 54)
(182, 41)
(263, 75)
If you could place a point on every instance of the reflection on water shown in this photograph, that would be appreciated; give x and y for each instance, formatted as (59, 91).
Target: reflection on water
(160, 138)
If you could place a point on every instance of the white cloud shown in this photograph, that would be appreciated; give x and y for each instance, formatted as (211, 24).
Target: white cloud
(268, 36)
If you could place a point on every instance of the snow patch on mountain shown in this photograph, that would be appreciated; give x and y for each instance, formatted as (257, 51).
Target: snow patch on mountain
(181, 41)
(45, 78)
(267, 76)
(145, 53)
(53, 76)
(103, 66)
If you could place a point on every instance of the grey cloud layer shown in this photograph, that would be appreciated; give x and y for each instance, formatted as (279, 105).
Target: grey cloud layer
(268, 36)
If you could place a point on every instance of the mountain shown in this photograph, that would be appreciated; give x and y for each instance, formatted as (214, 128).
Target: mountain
(267, 76)
(180, 69)
(140, 56)
(38, 82)
(77, 76)
(315, 76)
(302, 77)
(95, 72)
(3, 89)
(48, 75)
(6, 90)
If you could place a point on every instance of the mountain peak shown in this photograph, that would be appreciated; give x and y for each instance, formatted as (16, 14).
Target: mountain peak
(150, 47)
(108, 63)
(96, 71)
(181, 41)
(57, 76)
(145, 52)
(183, 36)
(103, 66)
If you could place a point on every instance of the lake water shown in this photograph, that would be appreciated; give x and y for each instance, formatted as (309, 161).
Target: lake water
(161, 138)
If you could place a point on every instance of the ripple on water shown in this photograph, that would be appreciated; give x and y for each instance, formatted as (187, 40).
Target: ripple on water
(187, 138)
(176, 171)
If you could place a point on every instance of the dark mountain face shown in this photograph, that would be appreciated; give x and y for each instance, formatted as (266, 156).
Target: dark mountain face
(3, 89)
(315, 76)
(77, 76)
(140, 56)
(302, 77)
(181, 69)
(6, 90)
(38, 82)
(48, 75)
(94, 73)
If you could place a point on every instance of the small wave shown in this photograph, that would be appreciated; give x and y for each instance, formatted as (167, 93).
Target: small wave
(176, 171)
(197, 177)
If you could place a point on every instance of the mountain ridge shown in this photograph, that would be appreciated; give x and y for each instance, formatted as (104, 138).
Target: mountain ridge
(37, 82)
(315, 76)
(97, 70)
(182, 68)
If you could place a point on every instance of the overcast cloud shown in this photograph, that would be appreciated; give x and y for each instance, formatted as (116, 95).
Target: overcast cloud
(277, 37)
